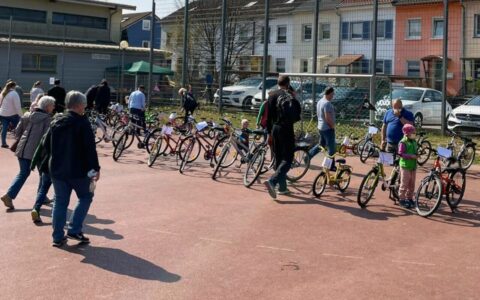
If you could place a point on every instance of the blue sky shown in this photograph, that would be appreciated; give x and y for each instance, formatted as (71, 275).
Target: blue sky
(164, 7)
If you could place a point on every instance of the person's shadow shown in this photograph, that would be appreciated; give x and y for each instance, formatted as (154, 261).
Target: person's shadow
(123, 263)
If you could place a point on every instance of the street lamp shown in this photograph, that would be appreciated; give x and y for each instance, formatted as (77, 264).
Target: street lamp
(123, 46)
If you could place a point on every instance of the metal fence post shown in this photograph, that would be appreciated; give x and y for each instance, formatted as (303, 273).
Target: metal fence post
(444, 65)
(222, 55)
(185, 41)
(373, 64)
(315, 55)
(266, 38)
(152, 40)
(63, 50)
(9, 51)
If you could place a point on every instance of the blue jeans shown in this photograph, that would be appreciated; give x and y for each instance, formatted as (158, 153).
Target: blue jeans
(20, 179)
(43, 187)
(63, 190)
(5, 123)
(327, 140)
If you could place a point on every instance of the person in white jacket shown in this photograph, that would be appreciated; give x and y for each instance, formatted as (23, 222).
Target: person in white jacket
(36, 90)
(10, 109)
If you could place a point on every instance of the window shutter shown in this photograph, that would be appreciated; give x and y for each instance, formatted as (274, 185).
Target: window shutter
(389, 29)
(366, 30)
(387, 67)
(345, 30)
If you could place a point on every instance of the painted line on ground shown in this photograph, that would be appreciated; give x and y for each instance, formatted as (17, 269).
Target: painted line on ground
(215, 240)
(342, 256)
(413, 263)
(275, 248)
(162, 231)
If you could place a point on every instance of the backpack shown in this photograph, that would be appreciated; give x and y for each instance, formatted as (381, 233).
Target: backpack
(288, 109)
(190, 103)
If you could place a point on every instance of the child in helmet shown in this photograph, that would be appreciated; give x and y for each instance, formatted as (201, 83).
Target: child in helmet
(407, 150)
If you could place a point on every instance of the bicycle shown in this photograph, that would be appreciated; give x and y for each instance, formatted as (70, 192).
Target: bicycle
(340, 179)
(449, 182)
(372, 178)
(166, 142)
(368, 146)
(101, 129)
(466, 155)
(348, 147)
(424, 149)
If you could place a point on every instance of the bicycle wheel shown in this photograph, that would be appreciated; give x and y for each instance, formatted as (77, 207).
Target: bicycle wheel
(300, 165)
(429, 196)
(152, 138)
(188, 153)
(120, 146)
(217, 151)
(194, 152)
(98, 133)
(254, 168)
(355, 149)
(367, 151)
(367, 188)
(155, 151)
(223, 156)
(467, 157)
(269, 162)
(319, 184)
(424, 152)
(456, 188)
(343, 180)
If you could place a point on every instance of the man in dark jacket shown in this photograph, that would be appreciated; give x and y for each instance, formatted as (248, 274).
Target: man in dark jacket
(73, 166)
(280, 128)
(91, 94)
(102, 97)
(58, 93)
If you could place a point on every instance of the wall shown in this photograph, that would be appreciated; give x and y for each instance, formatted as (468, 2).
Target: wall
(136, 34)
(472, 43)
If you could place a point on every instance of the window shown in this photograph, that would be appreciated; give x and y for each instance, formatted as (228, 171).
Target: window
(80, 21)
(39, 63)
(307, 32)
(243, 33)
(262, 35)
(304, 66)
(476, 31)
(414, 29)
(146, 44)
(146, 25)
(437, 28)
(282, 34)
(357, 30)
(361, 67)
(25, 15)
(384, 67)
(280, 65)
(413, 68)
(325, 31)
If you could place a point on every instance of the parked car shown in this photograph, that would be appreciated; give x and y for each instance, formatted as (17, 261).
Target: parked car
(257, 98)
(424, 103)
(465, 119)
(241, 94)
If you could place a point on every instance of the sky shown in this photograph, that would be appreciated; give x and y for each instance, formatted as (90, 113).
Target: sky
(164, 7)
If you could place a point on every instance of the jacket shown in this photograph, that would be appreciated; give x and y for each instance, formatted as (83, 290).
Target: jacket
(408, 151)
(102, 96)
(59, 94)
(72, 148)
(10, 105)
(273, 117)
(30, 131)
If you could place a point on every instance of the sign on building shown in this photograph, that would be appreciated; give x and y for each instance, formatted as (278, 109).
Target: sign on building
(98, 56)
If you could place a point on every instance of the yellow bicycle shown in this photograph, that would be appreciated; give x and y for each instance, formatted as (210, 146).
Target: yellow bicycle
(339, 179)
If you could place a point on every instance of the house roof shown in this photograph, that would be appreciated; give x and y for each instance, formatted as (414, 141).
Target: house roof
(345, 60)
(354, 3)
(204, 9)
(130, 19)
(324, 5)
(99, 3)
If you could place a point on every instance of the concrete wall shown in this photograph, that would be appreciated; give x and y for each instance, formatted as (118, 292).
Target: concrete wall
(49, 30)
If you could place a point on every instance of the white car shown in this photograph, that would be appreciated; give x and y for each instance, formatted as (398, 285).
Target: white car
(465, 119)
(424, 103)
(242, 93)
(257, 98)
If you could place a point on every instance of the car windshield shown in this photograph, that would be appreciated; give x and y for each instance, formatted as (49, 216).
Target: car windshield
(250, 82)
(407, 94)
(474, 102)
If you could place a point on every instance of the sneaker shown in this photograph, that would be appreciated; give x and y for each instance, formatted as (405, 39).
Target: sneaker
(78, 237)
(7, 201)
(60, 243)
(411, 203)
(270, 189)
(404, 203)
(5, 146)
(285, 192)
(36, 216)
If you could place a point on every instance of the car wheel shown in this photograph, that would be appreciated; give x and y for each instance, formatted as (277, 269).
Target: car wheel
(247, 103)
(418, 120)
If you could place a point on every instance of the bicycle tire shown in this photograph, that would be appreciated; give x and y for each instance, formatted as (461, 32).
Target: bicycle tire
(257, 160)
(367, 152)
(98, 137)
(395, 185)
(120, 146)
(424, 152)
(364, 198)
(456, 192)
(188, 152)
(218, 166)
(217, 151)
(343, 188)
(319, 184)
(301, 163)
(183, 147)
(151, 138)
(155, 151)
(269, 162)
(466, 160)
(431, 189)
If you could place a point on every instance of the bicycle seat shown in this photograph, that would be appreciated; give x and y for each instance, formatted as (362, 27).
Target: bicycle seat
(219, 128)
(301, 145)
(341, 161)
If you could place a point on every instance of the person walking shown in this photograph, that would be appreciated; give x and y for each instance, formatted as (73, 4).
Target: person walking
(137, 105)
(58, 93)
(36, 91)
(91, 94)
(189, 104)
(326, 125)
(29, 132)
(10, 109)
(393, 122)
(283, 112)
(73, 166)
(102, 97)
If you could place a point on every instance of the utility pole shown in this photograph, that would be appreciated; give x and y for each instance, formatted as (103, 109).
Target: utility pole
(185, 41)
(63, 50)
(444, 65)
(266, 38)
(315, 54)
(9, 53)
(222, 55)
(152, 40)
(373, 64)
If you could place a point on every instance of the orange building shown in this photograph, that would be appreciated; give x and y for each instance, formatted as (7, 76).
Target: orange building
(419, 42)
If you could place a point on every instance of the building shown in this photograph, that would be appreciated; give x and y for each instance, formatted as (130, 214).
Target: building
(471, 49)
(72, 40)
(136, 29)
(419, 42)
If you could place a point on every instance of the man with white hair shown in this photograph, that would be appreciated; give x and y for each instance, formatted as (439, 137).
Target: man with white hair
(393, 122)
(73, 166)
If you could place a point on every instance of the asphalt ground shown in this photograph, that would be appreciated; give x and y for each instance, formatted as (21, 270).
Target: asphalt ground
(157, 234)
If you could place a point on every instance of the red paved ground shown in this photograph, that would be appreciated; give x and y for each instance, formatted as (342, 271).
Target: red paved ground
(157, 234)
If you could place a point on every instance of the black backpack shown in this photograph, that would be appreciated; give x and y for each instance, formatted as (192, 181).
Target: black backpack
(288, 109)
(190, 103)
